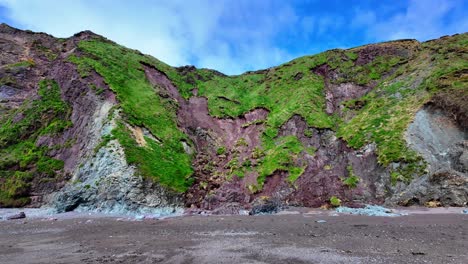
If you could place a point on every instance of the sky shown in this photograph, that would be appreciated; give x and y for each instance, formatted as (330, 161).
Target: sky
(234, 36)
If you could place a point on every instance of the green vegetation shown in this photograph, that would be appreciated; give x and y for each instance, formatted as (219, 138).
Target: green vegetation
(13, 188)
(391, 106)
(352, 180)
(280, 154)
(20, 158)
(7, 80)
(276, 90)
(285, 91)
(221, 151)
(293, 89)
(383, 120)
(335, 201)
(97, 90)
(351, 55)
(47, 52)
(308, 133)
(22, 64)
(403, 79)
(121, 68)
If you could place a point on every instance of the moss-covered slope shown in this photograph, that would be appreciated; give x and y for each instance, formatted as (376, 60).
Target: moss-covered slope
(21, 159)
(391, 81)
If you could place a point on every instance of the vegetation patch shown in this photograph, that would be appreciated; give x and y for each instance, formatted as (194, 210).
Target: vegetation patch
(391, 106)
(47, 52)
(401, 86)
(352, 180)
(121, 69)
(294, 89)
(335, 201)
(20, 158)
(221, 151)
(21, 64)
(280, 155)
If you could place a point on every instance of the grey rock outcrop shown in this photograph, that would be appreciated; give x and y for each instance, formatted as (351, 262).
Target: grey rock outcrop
(444, 146)
(448, 187)
(107, 183)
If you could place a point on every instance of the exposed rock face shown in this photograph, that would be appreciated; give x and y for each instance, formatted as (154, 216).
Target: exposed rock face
(208, 135)
(98, 175)
(106, 183)
(448, 187)
(336, 94)
(91, 179)
(332, 161)
(444, 146)
(439, 139)
(325, 170)
(322, 178)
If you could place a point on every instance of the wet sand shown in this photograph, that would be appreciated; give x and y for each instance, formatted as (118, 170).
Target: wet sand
(423, 236)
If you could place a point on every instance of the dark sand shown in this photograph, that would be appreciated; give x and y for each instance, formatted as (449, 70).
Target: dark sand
(294, 237)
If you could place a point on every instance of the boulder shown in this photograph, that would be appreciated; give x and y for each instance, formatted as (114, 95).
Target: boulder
(19, 215)
(265, 205)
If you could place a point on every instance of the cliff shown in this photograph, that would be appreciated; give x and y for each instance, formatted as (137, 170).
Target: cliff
(91, 125)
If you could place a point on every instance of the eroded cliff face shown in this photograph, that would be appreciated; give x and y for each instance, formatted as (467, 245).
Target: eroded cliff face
(105, 182)
(93, 176)
(443, 143)
(124, 132)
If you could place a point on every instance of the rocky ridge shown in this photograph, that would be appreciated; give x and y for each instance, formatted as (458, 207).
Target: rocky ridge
(382, 123)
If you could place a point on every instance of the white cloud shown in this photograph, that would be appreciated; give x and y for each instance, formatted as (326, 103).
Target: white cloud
(421, 19)
(235, 36)
(225, 35)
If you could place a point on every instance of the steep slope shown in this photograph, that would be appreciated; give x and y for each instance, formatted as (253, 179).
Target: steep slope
(88, 124)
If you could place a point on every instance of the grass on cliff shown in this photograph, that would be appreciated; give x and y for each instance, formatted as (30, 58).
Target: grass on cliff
(121, 69)
(403, 84)
(293, 89)
(383, 120)
(20, 158)
(390, 108)
(280, 156)
(284, 91)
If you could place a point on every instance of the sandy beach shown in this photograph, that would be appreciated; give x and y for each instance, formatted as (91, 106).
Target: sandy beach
(438, 235)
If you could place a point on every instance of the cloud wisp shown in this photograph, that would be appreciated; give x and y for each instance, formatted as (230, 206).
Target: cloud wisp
(236, 36)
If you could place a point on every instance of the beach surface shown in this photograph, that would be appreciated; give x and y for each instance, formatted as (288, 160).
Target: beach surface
(438, 235)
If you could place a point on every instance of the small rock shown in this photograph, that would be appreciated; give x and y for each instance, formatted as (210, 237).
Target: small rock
(20, 215)
(265, 205)
(465, 211)
(139, 217)
(243, 212)
(433, 204)
(321, 221)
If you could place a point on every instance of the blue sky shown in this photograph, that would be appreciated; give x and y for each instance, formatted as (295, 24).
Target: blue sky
(234, 36)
